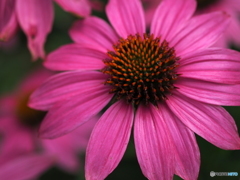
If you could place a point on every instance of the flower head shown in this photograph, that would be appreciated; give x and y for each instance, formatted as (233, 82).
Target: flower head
(166, 84)
(25, 156)
(141, 69)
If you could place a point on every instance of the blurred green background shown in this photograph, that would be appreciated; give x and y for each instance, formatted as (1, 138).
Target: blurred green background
(16, 62)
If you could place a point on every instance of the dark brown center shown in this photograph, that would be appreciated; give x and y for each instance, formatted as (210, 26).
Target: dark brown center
(141, 69)
(201, 4)
(27, 116)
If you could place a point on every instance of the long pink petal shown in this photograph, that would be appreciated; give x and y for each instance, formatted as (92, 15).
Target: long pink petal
(186, 152)
(25, 167)
(153, 143)
(95, 32)
(35, 18)
(126, 17)
(70, 113)
(214, 65)
(109, 140)
(200, 32)
(81, 8)
(208, 92)
(170, 16)
(64, 86)
(8, 20)
(211, 122)
(75, 57)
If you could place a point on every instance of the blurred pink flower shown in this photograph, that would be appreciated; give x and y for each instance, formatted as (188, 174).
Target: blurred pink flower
(81, 8)
(22, 154)
(232, 7)
(35, 18)
(168, 83)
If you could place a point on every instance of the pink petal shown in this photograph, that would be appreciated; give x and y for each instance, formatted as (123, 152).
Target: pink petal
(200, 32)
(8, 21)
(214, 65)
(75, 57)
(68, 114)
(82, 134)
(25, 167)
(64, 86)
(63, 150)
(66, 148)
(15, 139)
(126, 17)
(153, 143)
(16, 142)
(150, 9)
(79, 7)
(95, 32)
(109, 140)
(170, 16)
(186, 152)
(7, 104)
(208, 92)
(234, 29)
(213, 123)
(33, 80)
(35, 18)
(97, 5)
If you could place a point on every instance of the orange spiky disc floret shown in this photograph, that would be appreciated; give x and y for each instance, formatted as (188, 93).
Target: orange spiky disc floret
(141, 69)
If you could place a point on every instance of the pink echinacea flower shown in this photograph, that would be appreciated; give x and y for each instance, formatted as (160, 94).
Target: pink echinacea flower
(232, 7)
(35, 17)
(165, 85)
(22, 154)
